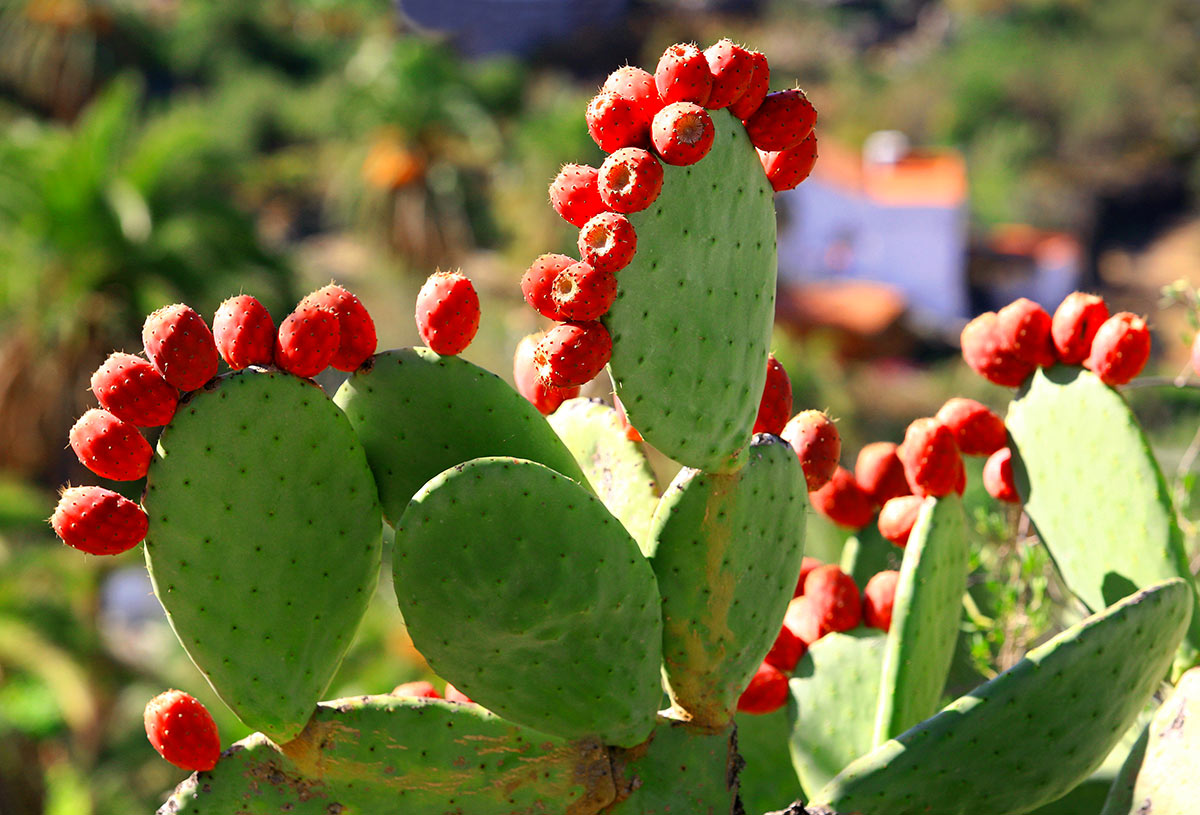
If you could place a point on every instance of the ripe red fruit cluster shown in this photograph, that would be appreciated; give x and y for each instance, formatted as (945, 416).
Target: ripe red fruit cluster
(447, 312)
(183, 732)
(545, 398)
(1006, 347)
(815, 439)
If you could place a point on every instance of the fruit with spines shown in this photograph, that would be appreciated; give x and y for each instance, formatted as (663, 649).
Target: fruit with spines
(629, 180)
(637, 86)
(574, 194)
(731, 69)
(1023, 329)
(572, 354)
(615, 122)
(109, 447)
(1120, 349)
(977, 430)
(788, 169)
(776, 404)
(98, 521)
(930, 457)
(814, 438)
(180, 345)
(682, 133)
(131, 389)
(447, 312)
(1074, 325)
(182, 730)
(244, 332)
(782, 121)
(766, 693)
(756, 88)
(834, 599)
(543, 397)
(357, 338)
(682, 75)
(307, 340)
(843, 501)
(880, 473)
(989, 357)
(607, 242)
(537, 284)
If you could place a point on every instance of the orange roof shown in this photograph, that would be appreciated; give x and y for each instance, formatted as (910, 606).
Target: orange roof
(919, 179)
(1051, 248)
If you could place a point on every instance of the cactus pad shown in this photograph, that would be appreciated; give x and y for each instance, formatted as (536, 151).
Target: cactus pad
(419, 413)
(833, 704)
(727, 551)
(768, 779)
(925, 618)
(390, 756)
(866, 553)
(964, 760)
(265, 539)
(692, 320)
(1093, 489)
(520, 588)
(615, 466)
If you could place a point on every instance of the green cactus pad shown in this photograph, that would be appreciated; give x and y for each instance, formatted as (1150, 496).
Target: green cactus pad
(419, 413)
(727, 552)
(1048, 721)
(692, 321)
(768, 780)
(614, 465)
(519, 587)
(1120, 793)
(386, 755)
(264, 543)
(680, 769)
(1093, 489)
(866, 553)
(1167, 782)
(925, 618)
(832, 711)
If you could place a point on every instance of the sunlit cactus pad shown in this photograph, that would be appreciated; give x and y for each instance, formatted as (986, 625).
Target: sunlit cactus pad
(692, 320)
(520, 588)
(264, 543)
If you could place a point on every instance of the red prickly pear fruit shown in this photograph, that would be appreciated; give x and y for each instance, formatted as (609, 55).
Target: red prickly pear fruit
(543, 397)
(998, 477)
(776, 404)
(419, 689)
(630, 180)
(1074, 325)
(582, 292)
(183, 732)
(109, 447)
(756, 88)
(307, 340)
(180, 346)
(537, 284)
(1023, 327)
(98, 521)
(977, 430)
(574, 195)
(631, 432)
(787, 169)
(682, 75)
(806, 566)
(843, 501)
(1120, 349)
(638, 87)
(833, 598)
(356, 330)
(879, 472)
(731, 69)
(802, 620)
(878, 598)
(783, 120)
(984, 352)
(244, 332)
(960, 481)
(615, 122)
(766, 693)
(447, 312)
(453, 694)
(815, 439)
(897, 517)
(930, 458)
(572, 354)
(682, 133)
(607, 242)
(131, 389)
(787, 651)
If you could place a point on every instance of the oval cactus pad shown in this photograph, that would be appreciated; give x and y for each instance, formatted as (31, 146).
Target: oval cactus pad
(727, 552)
(964, 760)
(419, 413)
(263, 575)
(519, 587)
(692, 321)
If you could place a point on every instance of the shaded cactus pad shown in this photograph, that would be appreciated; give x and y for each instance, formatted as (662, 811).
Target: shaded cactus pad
(520, 588)
(692, 320)
(680, 769)
(964, 760)
(727, 552)
(385, 755)
(265, 539)
(419, 413)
